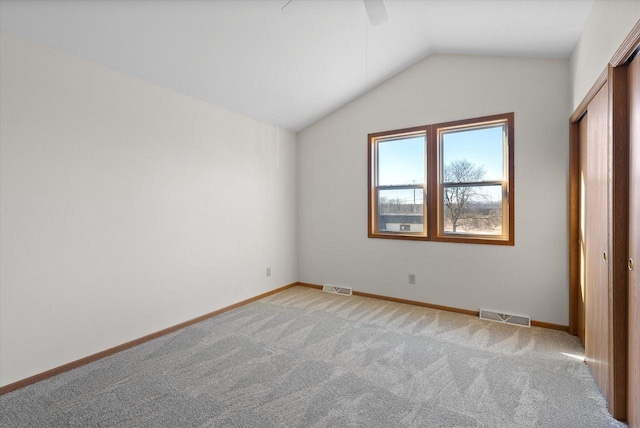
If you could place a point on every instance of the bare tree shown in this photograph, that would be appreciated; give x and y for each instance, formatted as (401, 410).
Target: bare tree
(458, 198)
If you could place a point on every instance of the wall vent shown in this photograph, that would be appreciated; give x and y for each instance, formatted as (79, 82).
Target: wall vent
(505, 318)
(333, 289)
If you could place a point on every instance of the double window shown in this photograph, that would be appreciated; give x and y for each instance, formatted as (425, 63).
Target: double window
(445, 182)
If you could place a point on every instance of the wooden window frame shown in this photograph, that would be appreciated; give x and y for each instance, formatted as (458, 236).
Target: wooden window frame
(433, 221)
(373, 140)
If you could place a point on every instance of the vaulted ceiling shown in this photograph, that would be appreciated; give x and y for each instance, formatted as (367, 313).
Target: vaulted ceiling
(285, 62)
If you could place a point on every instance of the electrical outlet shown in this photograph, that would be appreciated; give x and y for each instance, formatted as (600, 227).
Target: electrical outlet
(268, 271)
(412, 278)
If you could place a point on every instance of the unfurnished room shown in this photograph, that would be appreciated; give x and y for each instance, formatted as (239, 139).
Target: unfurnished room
(320, 213)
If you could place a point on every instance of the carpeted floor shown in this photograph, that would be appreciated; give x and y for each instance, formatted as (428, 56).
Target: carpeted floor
(303, 358)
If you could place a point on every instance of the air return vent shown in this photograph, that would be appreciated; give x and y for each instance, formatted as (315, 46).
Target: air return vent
(505, 318)
(333, 289)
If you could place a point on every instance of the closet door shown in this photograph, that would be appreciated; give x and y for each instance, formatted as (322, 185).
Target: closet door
(633, 383)
(596, 257)
(582, 286)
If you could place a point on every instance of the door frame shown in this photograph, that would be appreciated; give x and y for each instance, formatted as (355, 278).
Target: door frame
(615, 76)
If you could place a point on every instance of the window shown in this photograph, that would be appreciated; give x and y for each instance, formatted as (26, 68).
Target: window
(446, 182)
(400, 183)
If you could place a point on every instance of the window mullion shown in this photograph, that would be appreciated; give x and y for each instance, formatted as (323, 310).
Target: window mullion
(474, 183)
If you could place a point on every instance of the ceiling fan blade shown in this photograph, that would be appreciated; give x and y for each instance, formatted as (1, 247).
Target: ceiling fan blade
(376, 12)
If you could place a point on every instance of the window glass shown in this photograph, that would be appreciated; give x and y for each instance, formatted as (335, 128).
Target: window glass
(401, 210)
(472, 209)
(401, 160)
(472, 155)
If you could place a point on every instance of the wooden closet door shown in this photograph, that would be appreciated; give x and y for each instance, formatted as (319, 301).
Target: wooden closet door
(633, 383)
(596, 276)
(582, 286)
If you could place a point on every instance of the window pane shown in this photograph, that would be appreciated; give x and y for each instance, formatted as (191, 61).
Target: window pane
(401, 161)
(475, 154)
(400, 210)
(473, 210)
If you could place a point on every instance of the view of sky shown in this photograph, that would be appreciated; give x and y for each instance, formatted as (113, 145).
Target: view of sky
(401, 161)
(482, 146)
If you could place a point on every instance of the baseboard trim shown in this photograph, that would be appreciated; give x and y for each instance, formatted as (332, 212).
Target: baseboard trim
(99, 355)
(439, 307)
(550, 326)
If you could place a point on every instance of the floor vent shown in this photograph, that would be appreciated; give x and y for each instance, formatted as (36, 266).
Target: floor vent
(333, 289)
(505, 318)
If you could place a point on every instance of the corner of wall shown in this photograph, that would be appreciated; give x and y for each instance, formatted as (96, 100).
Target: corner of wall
(607, 26)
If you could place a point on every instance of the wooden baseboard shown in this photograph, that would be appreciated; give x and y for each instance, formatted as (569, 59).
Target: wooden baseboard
(419, 303)
(439, 307)
(306, 284)
(97, 356)
(550, 326)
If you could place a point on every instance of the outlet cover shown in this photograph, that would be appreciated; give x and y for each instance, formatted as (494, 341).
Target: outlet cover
(412, 278)
(268, 271)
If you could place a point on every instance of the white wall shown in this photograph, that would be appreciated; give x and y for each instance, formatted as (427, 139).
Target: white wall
(127, 208)
(609, 22)
(530, 278)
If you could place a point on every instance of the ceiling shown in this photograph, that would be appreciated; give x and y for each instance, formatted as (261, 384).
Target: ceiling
(289, 64)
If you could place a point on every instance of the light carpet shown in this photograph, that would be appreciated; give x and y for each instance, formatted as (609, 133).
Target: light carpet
(303, 358)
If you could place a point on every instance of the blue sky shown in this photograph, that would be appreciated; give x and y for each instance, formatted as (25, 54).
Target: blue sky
(479, 146)
(401, 161)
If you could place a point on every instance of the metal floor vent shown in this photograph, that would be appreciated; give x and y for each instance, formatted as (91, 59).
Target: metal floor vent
(333, 289)
(505, 318)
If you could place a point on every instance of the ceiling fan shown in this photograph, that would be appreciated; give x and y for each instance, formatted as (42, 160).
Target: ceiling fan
(376, 11)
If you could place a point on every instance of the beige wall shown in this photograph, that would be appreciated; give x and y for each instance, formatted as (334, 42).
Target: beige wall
(127, 208)
(609, 22)
(530, 278)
